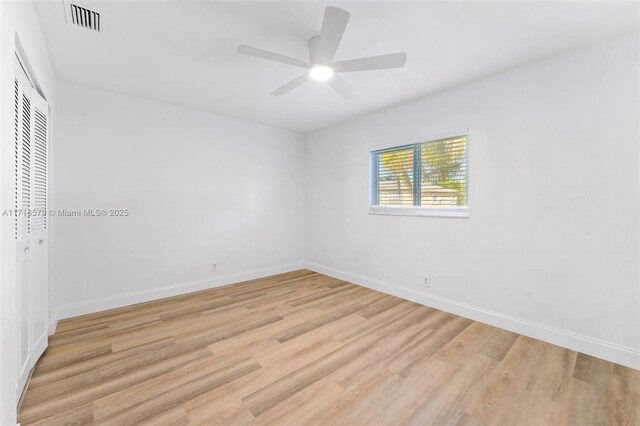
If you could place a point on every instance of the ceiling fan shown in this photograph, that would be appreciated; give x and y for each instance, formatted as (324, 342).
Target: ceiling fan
(322, 49)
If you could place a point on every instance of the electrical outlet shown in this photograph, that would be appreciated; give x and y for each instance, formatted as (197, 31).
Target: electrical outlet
(427, 282)
(214, 267)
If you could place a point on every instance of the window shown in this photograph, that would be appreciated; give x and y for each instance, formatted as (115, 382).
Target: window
(426, 179)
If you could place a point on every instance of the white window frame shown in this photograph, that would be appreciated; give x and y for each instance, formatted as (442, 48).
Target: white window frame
(461, 212)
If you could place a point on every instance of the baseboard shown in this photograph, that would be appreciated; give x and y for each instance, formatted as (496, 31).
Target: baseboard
(53, 324)
(120, 300)
(598, 348)
(35, 354)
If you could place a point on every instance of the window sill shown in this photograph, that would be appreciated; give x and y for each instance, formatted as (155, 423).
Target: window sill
(453, 212)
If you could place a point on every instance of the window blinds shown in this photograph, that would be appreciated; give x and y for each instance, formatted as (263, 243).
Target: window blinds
(424, 174)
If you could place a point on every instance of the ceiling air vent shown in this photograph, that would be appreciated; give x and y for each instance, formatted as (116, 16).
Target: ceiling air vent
(82, 16)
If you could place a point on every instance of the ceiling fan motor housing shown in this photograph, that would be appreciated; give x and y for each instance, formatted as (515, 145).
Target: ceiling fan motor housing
(313, 41)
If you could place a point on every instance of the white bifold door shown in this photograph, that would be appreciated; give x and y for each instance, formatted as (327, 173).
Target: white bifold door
(31, 163)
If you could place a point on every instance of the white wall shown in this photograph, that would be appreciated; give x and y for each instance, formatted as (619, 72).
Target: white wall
(19, 30)
(551, 245)
(201, 189)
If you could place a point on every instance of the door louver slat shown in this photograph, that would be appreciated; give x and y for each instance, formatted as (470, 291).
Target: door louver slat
(16, 154)
(39, 221)
(24, 221)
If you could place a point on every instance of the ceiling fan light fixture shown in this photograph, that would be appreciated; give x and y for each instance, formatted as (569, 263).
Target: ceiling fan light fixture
(321, 73)
(322, 50)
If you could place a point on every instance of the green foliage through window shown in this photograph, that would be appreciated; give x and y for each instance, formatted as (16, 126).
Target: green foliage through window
(427, 174)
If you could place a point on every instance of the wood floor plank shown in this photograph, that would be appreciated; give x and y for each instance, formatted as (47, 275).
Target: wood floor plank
(150, 388)
(292, 358)
(443, 330)
(54, 399)
(57, 373)
(228, 412)
(176, 416)
(380, 305)
(359, 369)
(304, 407)
(498, 344)
(178, 395)
(468, 420)
(302, 348)
(379, 320)
(507, 384)
(80, 415)
(553, 373)
(317, 322)
(465, 344)
(268, 397)
(580, 406)
(446, 404)
(358, 410)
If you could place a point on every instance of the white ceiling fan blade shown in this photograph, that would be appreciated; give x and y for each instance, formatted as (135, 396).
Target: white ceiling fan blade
(393, 60)
(343, 88)
(265, 54)
(291, 85)
(323, 48)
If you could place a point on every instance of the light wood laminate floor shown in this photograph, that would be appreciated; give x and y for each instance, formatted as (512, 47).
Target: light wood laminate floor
(304, 348)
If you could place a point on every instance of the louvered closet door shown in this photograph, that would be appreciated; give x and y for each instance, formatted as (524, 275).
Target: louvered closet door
(22, 235)
(38, 227)
(31, 164)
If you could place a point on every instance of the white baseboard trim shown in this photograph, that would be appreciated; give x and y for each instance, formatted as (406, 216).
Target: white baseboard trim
(25, 375)
(120, 300)
(598, 348)
(53, 324)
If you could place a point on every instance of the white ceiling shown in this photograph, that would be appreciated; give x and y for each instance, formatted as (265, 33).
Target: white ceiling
(184, 52)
